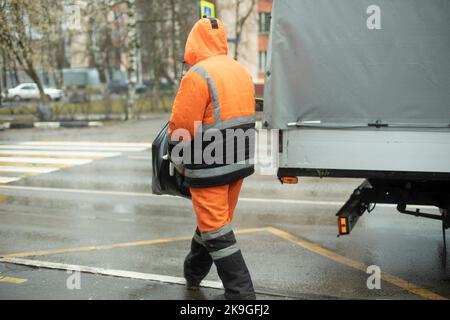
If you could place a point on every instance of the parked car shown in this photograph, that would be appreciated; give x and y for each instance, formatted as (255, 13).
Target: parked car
(121, 87)
(164, 84)
(28, 91)
(118, 87)
(141, 89)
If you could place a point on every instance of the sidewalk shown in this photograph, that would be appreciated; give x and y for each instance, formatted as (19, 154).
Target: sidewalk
(49, 124)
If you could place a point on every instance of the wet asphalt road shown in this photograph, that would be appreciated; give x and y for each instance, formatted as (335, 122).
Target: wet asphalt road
(102, 215)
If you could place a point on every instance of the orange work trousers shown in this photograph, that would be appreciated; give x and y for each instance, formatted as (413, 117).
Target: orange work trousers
(214, 207)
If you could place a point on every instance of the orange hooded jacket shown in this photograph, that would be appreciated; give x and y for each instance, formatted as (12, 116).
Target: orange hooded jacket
(206, 48)
(217, 92)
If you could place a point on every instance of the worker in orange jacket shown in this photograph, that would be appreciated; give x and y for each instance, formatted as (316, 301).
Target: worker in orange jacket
(216, 97)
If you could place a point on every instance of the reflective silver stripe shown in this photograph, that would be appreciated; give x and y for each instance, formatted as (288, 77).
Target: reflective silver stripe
(218, 123)
(225, 124)
(225, 252)
(219, 171)
(216, 233)
(198, 239)
(214, 94)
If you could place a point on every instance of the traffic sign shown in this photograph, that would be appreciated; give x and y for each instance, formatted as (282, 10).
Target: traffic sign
(208, 9)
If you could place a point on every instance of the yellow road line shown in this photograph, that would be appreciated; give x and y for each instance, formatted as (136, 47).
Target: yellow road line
(408, 286)
(93, 248)
(12, 280)
(113, 246)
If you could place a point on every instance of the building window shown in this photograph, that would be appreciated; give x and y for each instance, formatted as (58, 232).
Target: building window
(264, 22)
(262, 61)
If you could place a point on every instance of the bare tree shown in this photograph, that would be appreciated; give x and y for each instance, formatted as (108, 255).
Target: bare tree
(51, 43)
(163, 32)
(241, 19)
(101, 41)
(2, 73)
(22, 23)
(132, 47)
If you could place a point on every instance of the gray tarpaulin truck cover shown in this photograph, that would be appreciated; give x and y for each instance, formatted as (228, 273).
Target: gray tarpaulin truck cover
(330, 61)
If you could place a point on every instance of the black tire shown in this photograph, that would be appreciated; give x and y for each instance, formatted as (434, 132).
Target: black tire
(17, 98)
(48, 98)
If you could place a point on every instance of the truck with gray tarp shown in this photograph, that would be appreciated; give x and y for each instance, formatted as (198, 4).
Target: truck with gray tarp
(361, 89)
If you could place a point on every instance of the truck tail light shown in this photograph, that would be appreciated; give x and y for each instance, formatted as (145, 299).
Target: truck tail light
(343, 226)
(289, 180)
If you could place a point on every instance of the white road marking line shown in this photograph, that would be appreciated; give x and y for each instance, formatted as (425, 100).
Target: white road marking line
(46, 160)
(87, 143)
(59, 153)
(140, 158)
(108, 272)
(4, 212)
(47, 125)
(150, 195)
(27, 169)
(171, 198)
(9, 179)
(73, 148)
(86, 191)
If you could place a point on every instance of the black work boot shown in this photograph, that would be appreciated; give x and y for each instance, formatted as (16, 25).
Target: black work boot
(197, 263)
(235, 277)
(221, 245)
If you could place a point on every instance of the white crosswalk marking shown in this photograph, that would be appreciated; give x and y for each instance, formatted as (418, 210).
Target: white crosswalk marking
(59, 153)
(26, 169)
(45, 160)
(73, 147)
(4, 180)
(17, 160)
(88, 143)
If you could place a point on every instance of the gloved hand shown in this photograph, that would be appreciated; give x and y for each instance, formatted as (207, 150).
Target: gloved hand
(178, 166)
(173, 166)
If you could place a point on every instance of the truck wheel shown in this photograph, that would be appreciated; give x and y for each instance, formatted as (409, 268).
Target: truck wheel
(17, 98)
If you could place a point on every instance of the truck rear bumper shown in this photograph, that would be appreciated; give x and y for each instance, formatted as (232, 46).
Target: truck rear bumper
(365, 153)
(363, 174)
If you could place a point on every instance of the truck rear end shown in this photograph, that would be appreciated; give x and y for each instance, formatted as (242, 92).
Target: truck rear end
(361, 89)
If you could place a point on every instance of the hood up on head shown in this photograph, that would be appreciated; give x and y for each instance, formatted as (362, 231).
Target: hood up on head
(207, 38)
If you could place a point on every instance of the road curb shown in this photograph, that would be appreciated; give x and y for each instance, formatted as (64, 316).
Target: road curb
(50, 125)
